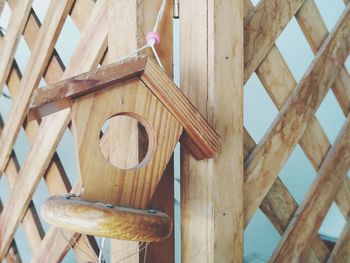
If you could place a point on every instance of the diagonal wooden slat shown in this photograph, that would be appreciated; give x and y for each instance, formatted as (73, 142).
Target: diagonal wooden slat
(265, 162)
(274, 74)
(46, 142)
(310, 214)
(315, 31)
(341, 251)
(279, 206)
(45, 42)
(9, 43)
(55, 176)
(91, 51)
(262, 29)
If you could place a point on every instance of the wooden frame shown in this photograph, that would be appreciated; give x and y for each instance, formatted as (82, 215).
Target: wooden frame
(222, 44)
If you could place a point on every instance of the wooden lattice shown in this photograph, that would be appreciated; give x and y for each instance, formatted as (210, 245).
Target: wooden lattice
(295, 124)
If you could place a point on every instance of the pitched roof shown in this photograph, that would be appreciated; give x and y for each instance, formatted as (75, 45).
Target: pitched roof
(200, 139)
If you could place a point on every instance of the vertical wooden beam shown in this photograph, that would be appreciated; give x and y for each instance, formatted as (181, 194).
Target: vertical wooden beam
(122, 25)
(129, 22)
(212, 76)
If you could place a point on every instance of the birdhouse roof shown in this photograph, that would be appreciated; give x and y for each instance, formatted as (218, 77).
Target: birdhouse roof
(198, 137)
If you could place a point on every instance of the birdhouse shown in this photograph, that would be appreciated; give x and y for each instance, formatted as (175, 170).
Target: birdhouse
(113, 200)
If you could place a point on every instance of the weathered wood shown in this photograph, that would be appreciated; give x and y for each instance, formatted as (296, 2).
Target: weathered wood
(311, 212)
(341, 251)
(279, 206)
(45, 42)
(199, 138)
(116, 222)
(11, 39)
(43, 147)
(55, 177)
(60, 95)
(261, 168)
(262, 29)
(211, 49)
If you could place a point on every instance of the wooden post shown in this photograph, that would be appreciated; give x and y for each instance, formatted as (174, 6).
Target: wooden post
(129, 22)
(212, 77)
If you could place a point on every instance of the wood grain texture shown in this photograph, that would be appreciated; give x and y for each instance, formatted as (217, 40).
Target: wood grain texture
(139, 18)
(45, 42)
(261, 169)
(117, 222)
(341, 251)
(279, 206)
(11, 39)
(199, 137)
(101, 180)
(45, 144)
(211, 48)
(59, 95)
(123, 132)
(274, 74)
(262, 27)
(55, 177)
(311, 212)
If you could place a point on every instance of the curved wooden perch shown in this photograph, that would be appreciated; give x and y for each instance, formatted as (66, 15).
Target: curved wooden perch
(115, 222)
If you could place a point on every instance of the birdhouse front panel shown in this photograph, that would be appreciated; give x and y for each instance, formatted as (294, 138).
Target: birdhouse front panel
(103, 181)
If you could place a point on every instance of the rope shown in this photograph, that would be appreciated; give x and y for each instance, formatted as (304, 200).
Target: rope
(153, 38)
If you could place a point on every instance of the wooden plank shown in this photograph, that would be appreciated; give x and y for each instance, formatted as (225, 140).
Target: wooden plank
(139, 18)
(45, 144)
(55, 177)
(341, 251)
(121, 15)
(310, 214)
(261, 168)
(60, 95)
(262, 29)
(45, 42)
(212, 77)
(274, 73)
(124, 187)
(199, 137)
(9, 43)
(279, 206)
(315, 31)
(117, 222)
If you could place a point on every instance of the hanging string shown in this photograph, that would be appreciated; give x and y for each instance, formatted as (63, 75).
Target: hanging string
(101, 257)
(75, 244)
(153, 38)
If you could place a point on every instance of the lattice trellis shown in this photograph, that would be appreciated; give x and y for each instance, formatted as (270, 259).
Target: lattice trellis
(296, 123)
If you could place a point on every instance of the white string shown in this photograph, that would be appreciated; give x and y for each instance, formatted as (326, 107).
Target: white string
(159, 16)
(150, 43)
(76, 245)
(102, 248)
(134, 253)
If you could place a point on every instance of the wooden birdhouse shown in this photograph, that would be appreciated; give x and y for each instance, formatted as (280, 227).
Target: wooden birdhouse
(113, 201)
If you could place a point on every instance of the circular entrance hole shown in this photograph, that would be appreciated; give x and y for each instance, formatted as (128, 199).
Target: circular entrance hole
(127, 142)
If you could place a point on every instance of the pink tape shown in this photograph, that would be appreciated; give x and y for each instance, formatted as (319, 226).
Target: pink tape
(153, 36)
